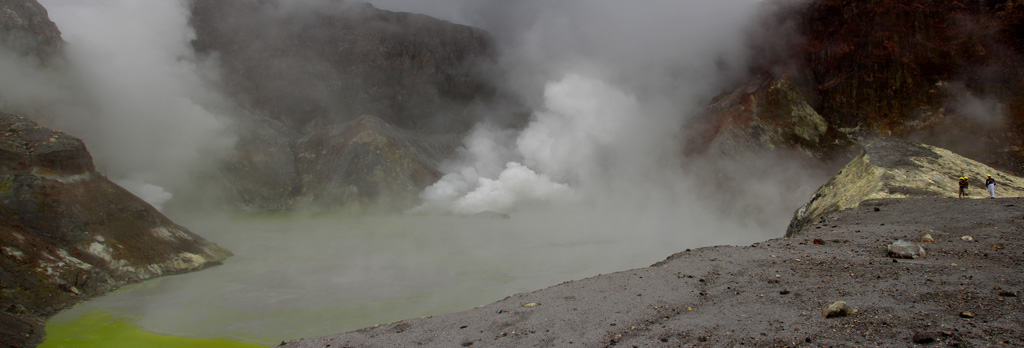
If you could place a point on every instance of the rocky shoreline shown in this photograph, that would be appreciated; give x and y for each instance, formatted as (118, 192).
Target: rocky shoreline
(67, 233)
(963, 293)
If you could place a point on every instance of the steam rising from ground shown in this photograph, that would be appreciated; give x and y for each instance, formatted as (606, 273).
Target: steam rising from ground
(134, 92)
(611, 83)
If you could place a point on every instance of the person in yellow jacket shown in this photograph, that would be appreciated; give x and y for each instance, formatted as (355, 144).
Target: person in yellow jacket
(963, 186)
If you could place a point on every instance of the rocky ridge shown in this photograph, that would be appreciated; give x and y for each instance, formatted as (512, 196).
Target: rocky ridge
(891, 168)
(307, 74)
(67, 233)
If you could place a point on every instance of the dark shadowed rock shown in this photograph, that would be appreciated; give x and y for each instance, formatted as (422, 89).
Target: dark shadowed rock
(918, 69)
(26, 29)
(262, 171)
(68, 233)
(343, 59)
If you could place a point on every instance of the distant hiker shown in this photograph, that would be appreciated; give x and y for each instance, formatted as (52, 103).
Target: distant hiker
(991, 184)
(963, 186)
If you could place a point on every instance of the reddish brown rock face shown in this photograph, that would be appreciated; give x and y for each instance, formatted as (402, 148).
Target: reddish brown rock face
(916, 69)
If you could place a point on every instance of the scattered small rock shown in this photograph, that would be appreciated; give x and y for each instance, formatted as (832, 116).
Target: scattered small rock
(784, 292)
(531, 305)
(966, 315)
(927, 238)
(905, 250)
(925, 337)
(967, 238)
(877, 209)
(1007, 293)
(818, 242)
(838, 309)
(997, 246)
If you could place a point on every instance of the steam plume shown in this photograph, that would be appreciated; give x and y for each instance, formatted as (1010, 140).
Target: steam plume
(134, 92)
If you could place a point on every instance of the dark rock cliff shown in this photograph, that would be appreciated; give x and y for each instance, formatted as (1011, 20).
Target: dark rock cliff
(949, 73)
(67, 233)
(26, 29)
(310, 73)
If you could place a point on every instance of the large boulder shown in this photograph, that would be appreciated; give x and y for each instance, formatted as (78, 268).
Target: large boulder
(68, 233)
(891, 168)
(307, 72)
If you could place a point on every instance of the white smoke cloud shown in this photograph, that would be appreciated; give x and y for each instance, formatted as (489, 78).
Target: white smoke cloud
(150, 118)
(610, 82)
(569, 141)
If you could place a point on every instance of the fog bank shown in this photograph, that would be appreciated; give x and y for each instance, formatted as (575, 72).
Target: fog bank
(131, 89)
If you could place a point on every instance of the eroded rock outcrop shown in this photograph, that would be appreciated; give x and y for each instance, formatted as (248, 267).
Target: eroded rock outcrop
(67, 233)
(890, 168)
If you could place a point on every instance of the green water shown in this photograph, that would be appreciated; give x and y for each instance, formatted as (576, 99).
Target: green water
(305, 276)
(103, 330)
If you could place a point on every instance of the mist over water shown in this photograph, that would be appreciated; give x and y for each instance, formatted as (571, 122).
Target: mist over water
(593, 183)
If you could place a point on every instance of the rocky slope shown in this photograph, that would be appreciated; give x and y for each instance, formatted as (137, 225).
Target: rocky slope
(306, 71)
(947, 73)
(26, 30)
(67, 233)
(766, 114)
(773, 293)
(890, 168)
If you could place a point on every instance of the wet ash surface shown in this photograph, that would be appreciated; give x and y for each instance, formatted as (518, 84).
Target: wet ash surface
(772, 293)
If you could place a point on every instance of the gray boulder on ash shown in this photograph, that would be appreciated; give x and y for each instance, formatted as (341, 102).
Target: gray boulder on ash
(902, 249)
(67, 233)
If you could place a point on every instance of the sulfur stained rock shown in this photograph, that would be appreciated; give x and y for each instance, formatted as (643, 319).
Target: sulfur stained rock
(892, 168)
(838, 309)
